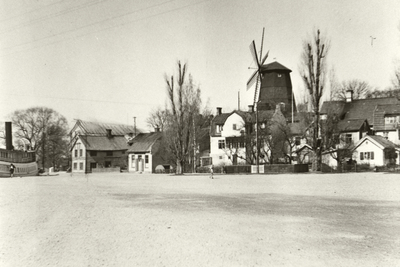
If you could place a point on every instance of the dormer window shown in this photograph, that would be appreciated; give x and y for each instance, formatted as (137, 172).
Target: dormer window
(218, 128)
(279, 75)
(234, 127)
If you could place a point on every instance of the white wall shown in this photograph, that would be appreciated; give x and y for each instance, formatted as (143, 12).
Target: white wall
(228, 126)
(368, 146)
(79, 162)
(393, 136)
(136, 165)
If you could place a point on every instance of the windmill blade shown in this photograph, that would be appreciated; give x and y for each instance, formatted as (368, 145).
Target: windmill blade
(265, 58)
(254, 53)
(252, 80)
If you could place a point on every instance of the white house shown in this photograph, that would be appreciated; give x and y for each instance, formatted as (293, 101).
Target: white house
(147, 151)
(371, 150)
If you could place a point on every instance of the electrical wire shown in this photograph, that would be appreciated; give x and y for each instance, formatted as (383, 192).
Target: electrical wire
(72, 9)
(103, 29)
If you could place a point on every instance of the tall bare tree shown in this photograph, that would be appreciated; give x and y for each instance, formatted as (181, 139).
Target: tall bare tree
(44, 129)
(185, 101)
(313, 72)
(361, 90)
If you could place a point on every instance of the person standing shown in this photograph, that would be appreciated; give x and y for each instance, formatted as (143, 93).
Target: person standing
(212, 171)
(12, 169)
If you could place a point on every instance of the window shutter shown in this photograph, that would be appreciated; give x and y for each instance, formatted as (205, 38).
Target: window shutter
(361, 156)
(372, 155)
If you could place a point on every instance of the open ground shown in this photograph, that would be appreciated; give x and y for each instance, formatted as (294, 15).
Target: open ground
(233, 220)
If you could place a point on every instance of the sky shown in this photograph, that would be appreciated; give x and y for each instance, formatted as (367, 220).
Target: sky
(106, 60)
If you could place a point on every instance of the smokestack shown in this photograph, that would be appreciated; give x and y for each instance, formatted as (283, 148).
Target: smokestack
(9, 145)
(251, 108)
(109, 133)
(219, 111)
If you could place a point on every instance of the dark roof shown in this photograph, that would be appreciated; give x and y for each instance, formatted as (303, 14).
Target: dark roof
(382, 141)
(221, 118)
(143, 142)
(98, 128)
(357, 109)
(103, 143)
(274, 66)
(350, 125)
(379, 117)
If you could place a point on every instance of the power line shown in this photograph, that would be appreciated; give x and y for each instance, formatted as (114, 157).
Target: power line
(85, 100)
(104, 29)
(31, 11)
(72, 9)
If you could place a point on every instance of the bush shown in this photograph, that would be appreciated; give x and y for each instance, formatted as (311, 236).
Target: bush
(363, 167)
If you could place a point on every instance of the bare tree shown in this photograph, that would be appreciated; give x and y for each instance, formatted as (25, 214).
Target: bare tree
(396, 78)
(361, 90)
(313, 73)
(44, 129)
(158, 118)
(184, 99)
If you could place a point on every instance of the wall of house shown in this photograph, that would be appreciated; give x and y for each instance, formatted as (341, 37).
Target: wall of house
(140, 162)
(368, 146)
(218, 155)
(103, 160)
(233, 125)
(78, 158)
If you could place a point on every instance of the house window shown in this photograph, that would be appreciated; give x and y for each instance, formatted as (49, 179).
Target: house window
(80, 165)
(234, 126)
(146, 160)
(218, 128)
(93, 165)
(220, 157)
(390, 119)
(221, 144)
(93, 153)
(367, 155)
(109, 153)
(107, 164)
(75, 166)
(76, 153)
(80, 152)
(348, 138)
(297, 141)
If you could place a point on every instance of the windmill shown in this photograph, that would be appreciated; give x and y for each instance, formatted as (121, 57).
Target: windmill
(256, 78)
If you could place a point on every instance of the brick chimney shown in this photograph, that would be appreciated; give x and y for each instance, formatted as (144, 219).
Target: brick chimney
(219, 111)
(109, 133)
(251, 108)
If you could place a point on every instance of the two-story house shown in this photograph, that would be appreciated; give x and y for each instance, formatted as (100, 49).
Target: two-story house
(99, 146)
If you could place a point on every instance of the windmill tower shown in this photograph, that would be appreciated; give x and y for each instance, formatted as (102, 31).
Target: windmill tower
(273, 83)
(276, 88)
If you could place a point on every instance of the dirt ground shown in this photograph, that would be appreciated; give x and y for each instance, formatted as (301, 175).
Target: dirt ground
(233, 220)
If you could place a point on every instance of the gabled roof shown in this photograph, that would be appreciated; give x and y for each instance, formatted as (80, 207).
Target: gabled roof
(98, 128)
(358, 108)
(378, 140)
(351, 125)
(143, 142)
(274, 66)
(103, 143)
(379, 116)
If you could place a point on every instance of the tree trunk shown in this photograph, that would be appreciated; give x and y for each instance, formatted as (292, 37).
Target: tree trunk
(178, 166)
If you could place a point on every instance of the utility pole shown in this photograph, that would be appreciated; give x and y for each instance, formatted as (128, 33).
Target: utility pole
(134, 124)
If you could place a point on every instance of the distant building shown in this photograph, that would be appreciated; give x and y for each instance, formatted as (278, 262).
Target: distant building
(146, 152)
(99, 146)
(371, 123)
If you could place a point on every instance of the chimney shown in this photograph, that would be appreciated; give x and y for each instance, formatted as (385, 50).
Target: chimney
(157, 129)
(349, 95)
(219, 111)
(9, 145)
(109, 133)
(251, 108)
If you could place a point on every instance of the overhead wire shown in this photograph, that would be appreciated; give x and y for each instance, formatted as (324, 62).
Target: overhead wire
(31, 11)
(63, 12)
(103, 29)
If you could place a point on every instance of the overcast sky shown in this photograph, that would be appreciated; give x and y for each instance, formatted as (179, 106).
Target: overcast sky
(105, 60)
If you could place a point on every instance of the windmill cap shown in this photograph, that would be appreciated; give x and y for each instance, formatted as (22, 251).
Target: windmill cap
(274, 66)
